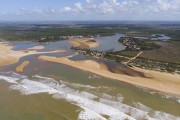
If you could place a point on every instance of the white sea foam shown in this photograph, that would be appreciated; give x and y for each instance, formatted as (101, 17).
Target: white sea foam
(75, 85)
(94, 76)
(27, 87)
(152, 92)
(141, 106)
(134, 112)
(86, 95)
(118, 97)
(41, 77)
(107, 105)
(164, 116)
(88, 114)
(178, 100)
(8, 79)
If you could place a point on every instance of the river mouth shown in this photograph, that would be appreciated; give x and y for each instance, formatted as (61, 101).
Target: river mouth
(45, 89)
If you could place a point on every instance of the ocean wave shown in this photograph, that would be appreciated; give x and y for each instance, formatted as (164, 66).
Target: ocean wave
(141, 106)
(134, 112)
(75, 85)
(164, 116)
(178, 100)
(88, 114)
(104, 104)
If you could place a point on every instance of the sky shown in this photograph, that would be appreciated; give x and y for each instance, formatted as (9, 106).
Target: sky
(87, 10)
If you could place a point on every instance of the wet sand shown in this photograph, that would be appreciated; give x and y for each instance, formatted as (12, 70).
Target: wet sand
(85, 43)
(157, 81)
(21, 67)
(127, 71)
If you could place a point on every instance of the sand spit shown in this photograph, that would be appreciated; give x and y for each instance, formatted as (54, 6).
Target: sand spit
(36, 48)
(85, 43)
(8, 56)
(21, 67)
(161, 82)
(76, 53)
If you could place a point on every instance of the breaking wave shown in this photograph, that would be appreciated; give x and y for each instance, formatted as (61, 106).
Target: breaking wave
(94, 105)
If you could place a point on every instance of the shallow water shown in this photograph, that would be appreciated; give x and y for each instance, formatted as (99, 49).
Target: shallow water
(48, 91)
(163, 37)
(110, 43)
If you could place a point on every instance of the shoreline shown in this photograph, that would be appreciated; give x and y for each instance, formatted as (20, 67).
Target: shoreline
(9, 56)
(157, 81)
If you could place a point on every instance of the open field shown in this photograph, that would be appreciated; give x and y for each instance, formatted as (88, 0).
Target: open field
(168, 52)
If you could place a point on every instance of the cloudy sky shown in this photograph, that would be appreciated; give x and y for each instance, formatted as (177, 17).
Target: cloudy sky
(89, 10)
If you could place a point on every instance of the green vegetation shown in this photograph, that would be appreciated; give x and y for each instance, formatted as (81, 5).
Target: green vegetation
(53, 32)
(146, 44)
(171, 30)
(165, 58)
(155, 65)
(168, 52)
(134, 44)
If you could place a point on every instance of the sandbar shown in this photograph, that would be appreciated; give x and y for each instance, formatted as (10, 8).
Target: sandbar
(36, 48)
(85, 43)
(21, 67)
(9, 56)
(158, 81)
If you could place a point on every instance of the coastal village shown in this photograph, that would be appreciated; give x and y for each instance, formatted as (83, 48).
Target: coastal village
(132, 44)
(129, 43)
(135, 44)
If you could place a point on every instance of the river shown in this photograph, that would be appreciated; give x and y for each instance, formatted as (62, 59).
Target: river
(51, 91)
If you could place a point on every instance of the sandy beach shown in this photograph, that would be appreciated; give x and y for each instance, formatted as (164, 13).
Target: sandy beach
(9, 56)
(157, 81)
(21, 67)
(85, 43)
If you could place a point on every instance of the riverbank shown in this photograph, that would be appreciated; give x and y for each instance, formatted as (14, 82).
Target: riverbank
(157, 81)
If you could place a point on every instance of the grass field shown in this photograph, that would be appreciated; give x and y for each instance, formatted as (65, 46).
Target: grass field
(169, 52)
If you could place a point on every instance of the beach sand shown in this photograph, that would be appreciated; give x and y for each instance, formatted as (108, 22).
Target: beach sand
(85, 43)
(8, 56)
(21, 67)
(157, 81)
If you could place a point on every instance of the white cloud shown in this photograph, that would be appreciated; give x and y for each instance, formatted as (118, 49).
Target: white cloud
(163, 5)
(78, 6)
(89, 1)
(67, 9)
(114, 9)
